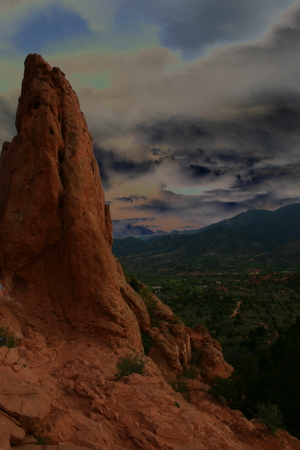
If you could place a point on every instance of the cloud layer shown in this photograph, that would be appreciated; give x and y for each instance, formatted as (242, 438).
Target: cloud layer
(193, 26)
(186, 139)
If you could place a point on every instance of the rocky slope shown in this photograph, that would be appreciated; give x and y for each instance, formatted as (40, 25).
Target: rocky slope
(67, 301)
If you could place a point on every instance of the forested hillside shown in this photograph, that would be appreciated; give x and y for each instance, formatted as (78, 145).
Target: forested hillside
(254, 239)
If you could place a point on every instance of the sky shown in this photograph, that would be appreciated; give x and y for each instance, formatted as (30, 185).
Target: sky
(193, 105)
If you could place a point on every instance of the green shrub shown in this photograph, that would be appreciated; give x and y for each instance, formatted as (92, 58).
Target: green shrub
(132, 363)
(7, 338)
(180, 385)
(269, 415)
(224, 388)
(150, 302)
(135, 285)
(41, 440)
(191, 372)
(147, 342)
(151, 305)
(177, 320)
(155, 323)
(195, 357)
(177, 404)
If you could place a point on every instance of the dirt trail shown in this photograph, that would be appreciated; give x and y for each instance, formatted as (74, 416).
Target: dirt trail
(236, 311)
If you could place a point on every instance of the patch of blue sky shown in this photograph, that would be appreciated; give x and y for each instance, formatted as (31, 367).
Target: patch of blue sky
(48, 26)
(188, 190)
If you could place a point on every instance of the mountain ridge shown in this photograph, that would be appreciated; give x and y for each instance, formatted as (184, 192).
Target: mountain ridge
(246, 234)
(233, 221)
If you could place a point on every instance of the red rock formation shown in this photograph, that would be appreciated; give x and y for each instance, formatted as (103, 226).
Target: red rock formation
(67, 300)
(55, 229)
(209, 355)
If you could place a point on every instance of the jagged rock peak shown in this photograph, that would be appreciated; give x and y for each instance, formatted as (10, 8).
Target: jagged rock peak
(55, 229)
(36, 72)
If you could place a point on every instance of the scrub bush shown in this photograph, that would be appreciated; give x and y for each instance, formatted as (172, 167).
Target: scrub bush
(7, 338)
(132, 363)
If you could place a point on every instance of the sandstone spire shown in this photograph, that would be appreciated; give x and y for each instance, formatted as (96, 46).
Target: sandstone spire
(55, 229)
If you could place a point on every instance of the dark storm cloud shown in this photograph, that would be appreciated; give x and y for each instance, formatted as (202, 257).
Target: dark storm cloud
(158, 152)
(284, 118)
(130, 227)
(263, 155)
(131, 167)
(157, 205)
(174, 130)
(131, 198)
(261, 128)
(134, 220)
(259, 157)
(192, 26)
(254, 140)
(279, 175)
(170, 202)
(198, 171)
(236, 159)
(110, 162)
(208, 208)
(190, 153)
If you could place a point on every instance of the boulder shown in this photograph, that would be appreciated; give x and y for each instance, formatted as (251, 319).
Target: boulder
(28, 403)
(10, 432)
(208, 355)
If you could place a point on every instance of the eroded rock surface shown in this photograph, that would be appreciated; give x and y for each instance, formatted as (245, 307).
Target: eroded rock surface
(90, 409)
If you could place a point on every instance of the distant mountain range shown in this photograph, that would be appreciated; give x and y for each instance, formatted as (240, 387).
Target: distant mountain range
(257, 234)
(122, 230)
